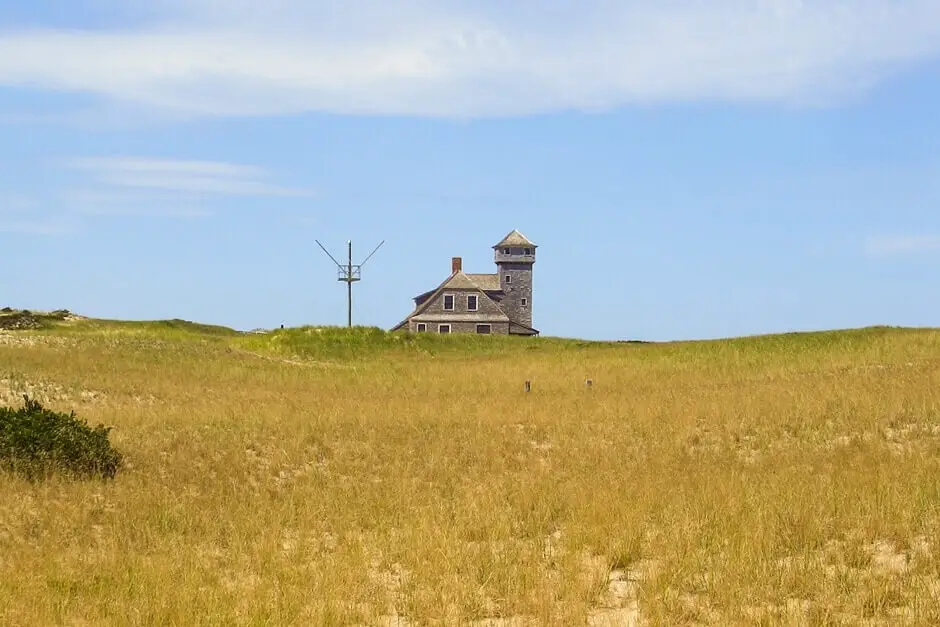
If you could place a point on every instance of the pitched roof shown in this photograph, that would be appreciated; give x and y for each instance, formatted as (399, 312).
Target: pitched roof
(487, 282)
(525, 329)
(515, 238)
(459, 280)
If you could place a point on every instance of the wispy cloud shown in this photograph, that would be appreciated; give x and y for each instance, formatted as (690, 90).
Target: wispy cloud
(481, 58)
(902, 245)
(50, 226)
(184, 176)
(120, 203)
(15, 203)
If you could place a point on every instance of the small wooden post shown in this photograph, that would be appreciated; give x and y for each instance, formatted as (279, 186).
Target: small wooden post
(589, 383)
(528, 386)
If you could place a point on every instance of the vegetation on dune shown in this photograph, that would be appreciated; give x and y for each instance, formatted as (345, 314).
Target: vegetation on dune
(152, 328)
(36, 442)
(22, 319)
(337, 476)
(369, 342)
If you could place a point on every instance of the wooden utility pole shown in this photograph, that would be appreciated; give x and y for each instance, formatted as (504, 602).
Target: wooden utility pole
(349, 273)
(349, 282)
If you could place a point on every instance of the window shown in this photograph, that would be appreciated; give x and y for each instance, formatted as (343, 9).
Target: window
(448, 302)
(508, 278)
(525, 301)
(483, 329)
(527, 251)
(443, 328)
(505, 251)
(472, 302)
(422, 327)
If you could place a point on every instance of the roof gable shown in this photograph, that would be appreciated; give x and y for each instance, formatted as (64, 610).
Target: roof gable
(456, 281)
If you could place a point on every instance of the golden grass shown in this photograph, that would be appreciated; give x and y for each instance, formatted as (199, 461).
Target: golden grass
(788, 479)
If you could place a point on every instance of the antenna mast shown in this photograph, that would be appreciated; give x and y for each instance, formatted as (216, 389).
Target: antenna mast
(349, 273)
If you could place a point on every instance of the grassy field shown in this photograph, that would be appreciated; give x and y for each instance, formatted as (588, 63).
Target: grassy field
(327, 477)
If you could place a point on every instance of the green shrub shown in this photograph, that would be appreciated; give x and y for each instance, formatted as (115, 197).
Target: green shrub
(36, 442)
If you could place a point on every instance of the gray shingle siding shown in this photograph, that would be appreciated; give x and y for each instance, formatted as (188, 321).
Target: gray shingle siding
(515, 254)
(517, 288)
(484, 304)
(496, 328)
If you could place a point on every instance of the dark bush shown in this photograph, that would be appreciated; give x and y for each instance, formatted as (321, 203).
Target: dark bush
(37, 442)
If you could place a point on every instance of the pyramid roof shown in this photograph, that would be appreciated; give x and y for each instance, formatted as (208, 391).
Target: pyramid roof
(515, 238)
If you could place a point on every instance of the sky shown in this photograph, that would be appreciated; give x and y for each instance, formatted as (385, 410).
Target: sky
(689, 169)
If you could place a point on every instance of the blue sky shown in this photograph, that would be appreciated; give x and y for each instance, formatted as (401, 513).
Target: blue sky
(689, 169)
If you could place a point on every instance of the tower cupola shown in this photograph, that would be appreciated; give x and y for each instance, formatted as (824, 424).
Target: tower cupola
(515, 247)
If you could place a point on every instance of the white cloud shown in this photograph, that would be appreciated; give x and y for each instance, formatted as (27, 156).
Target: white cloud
(902, 244)
(184, 176)
(462, 58)
(169, 166)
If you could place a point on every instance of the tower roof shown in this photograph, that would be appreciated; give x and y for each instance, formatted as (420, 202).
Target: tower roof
(515, 238)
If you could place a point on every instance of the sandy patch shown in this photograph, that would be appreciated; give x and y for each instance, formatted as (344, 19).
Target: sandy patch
(13, 389)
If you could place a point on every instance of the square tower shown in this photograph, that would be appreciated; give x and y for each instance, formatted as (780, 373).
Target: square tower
(515, 256)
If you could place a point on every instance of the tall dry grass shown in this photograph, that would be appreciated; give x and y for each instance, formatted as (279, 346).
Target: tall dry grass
(288, 479)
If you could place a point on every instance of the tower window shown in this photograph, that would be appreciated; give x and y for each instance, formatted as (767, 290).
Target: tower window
(472, 303)
(527, 251)
(525, 301)
(448, 302)
(508, 278)
(505, 251)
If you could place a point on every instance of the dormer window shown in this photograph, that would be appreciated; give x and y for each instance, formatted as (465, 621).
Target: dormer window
(448, 302)
(472, 302)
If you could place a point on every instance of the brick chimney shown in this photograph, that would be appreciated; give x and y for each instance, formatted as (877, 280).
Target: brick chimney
(456, 264)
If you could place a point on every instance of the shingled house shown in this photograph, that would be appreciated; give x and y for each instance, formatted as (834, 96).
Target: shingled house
(499, 303)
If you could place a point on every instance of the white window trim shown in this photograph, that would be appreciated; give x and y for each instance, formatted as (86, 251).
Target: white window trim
(476, 299)
(489, 326)
(442, 326)
(419, 328)
(453, 300)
